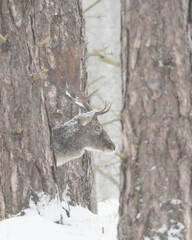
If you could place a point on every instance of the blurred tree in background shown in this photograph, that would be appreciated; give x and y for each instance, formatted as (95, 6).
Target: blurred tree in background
(102, 20)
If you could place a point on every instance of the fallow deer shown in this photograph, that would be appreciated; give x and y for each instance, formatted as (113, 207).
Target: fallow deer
(83, 132)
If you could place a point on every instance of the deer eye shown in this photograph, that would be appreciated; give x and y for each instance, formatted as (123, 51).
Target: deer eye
(97, 129)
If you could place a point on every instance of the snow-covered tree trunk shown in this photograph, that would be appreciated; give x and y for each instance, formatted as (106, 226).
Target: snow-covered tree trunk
(156, 171)
(33, 40)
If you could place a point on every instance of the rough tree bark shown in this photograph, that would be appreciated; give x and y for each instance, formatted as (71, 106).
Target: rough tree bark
(156, 173)
(33, 37)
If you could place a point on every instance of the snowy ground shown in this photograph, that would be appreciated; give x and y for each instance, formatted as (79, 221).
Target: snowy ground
(38, 223)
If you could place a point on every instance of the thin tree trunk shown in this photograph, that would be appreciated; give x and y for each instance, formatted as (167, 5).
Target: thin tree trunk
(155, 199)
(32, 41)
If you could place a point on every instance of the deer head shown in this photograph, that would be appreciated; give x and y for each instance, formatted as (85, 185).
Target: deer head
(83, 132)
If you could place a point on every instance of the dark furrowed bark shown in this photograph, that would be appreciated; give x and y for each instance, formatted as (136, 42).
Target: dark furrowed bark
(156, 78)
(32, 41)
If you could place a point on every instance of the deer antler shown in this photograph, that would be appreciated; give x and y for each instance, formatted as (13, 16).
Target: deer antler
(84, 99)
(104, 110)
(82, 102)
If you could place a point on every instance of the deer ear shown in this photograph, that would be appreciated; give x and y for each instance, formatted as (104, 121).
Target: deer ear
(85, 118)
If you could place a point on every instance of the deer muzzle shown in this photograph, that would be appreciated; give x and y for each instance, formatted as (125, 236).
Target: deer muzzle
(109, 146)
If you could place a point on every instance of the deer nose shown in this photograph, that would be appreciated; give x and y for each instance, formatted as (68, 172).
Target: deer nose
(110, 145)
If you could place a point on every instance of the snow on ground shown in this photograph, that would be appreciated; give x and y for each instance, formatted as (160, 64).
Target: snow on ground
(38, 223)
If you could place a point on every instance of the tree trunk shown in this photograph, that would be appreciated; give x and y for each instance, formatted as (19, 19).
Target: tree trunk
(155, 199)
(32, 43)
